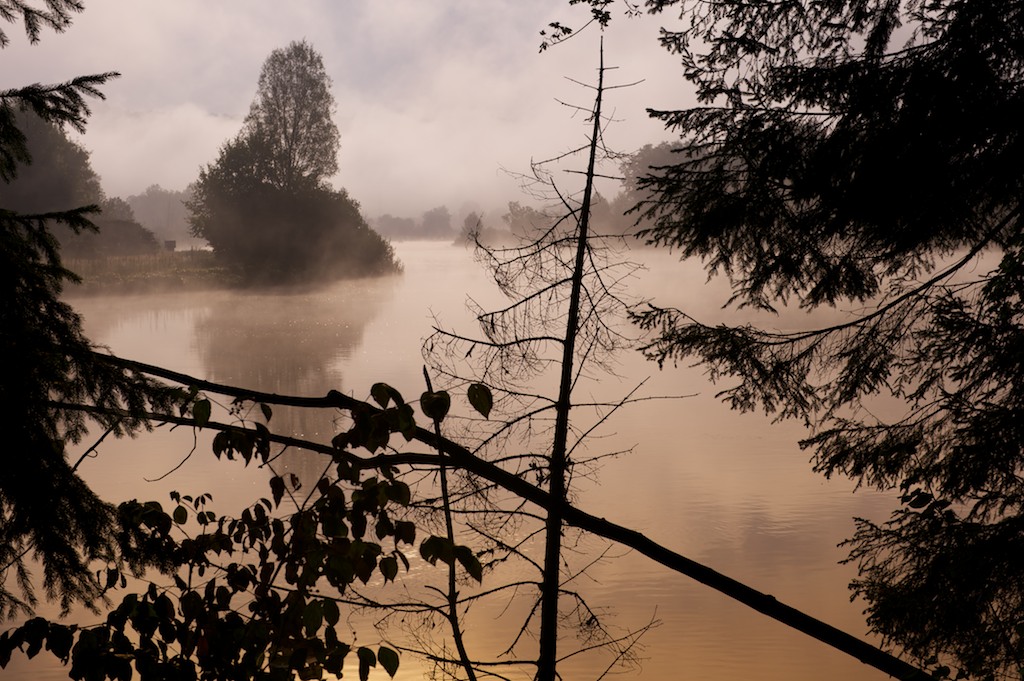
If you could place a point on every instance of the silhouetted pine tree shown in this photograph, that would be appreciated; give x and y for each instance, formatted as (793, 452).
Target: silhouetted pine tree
(47, 513)
(869, 154)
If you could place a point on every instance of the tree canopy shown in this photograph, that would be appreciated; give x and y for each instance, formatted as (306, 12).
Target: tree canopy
(436, 223)
(264, 204)
(59, 176)
(867, 153)
(290, 121)
(57, 173)
(163, 212)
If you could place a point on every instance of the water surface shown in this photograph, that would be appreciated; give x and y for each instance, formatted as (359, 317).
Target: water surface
(730, 490)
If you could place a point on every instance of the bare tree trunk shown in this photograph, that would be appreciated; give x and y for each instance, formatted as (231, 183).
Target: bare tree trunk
(547, 659)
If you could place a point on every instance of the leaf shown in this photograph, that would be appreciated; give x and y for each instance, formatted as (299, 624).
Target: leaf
(34, 631)
(480, 398)
(405, 531)
(389, 660)
(341, 440)
(428, 550)
(389, 568)
(59, 641)
(112, 575)
(434, 548)
(201, 412)
(267, 412)
(313, 617)
(277, 489)
(367, 659)
(220, 443)
(383, 527)
(379, 392)
(435, 405)
(399, 493)
(383, 394)
(470, 562)
(406, 422)
(180, 515)
(331, 612)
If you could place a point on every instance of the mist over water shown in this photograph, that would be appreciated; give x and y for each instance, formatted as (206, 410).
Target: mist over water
(729, 490)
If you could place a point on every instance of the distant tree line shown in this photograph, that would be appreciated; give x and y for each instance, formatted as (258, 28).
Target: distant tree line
(617, 217)
(58, 176)
(164, 212)
(435, 223)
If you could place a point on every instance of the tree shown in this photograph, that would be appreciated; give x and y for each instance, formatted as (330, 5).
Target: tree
(563, 283)
(58, 173)
(272, 234)
(59, 176)
(620, 216)
(285, 568)
(119, 234)
(116, 208)
(46, 511)
(395, 228)
(867, 153)
(436, 223)
(291, 116)
(526, 222)
(472, 224)
(264, 205)
(163, 212)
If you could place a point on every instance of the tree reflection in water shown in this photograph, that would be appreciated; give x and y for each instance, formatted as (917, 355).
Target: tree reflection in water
(289, 342)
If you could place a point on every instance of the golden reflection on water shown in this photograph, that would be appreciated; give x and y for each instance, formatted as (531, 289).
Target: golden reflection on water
(726, 489)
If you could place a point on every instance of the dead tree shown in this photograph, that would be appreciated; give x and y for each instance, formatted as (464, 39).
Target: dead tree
(564, 286)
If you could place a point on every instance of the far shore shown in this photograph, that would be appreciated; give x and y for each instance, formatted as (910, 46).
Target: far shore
(174, 271)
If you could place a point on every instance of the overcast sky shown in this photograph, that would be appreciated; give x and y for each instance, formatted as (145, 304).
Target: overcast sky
(434, 97)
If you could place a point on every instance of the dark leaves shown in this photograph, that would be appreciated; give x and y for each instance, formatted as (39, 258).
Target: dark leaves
(435, 405)
(480, 398)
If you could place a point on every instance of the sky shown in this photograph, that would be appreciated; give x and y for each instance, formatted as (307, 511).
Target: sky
(439, 102)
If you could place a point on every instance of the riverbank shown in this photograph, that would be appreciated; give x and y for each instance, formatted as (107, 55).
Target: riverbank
(168, 270)
(193, 270)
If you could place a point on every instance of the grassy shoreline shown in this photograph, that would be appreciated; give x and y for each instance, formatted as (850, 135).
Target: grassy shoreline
(168, 270)
(193, 270)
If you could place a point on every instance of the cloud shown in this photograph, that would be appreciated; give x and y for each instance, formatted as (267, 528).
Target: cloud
(131, 150)
(433, 98)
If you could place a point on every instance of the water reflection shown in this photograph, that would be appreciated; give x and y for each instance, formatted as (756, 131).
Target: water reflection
(730, 490)
(284, 342)
(290, 342)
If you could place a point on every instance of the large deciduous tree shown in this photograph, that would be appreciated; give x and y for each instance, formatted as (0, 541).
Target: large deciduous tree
(867, 154)
(264, 204)
(436, 223)
(291, 116)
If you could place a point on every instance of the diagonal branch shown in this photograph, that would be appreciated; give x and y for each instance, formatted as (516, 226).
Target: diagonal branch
(457, 455)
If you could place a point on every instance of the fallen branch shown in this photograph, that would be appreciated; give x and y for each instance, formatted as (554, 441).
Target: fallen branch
(457, 455)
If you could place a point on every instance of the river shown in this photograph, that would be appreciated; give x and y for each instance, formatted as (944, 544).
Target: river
(730, 490)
